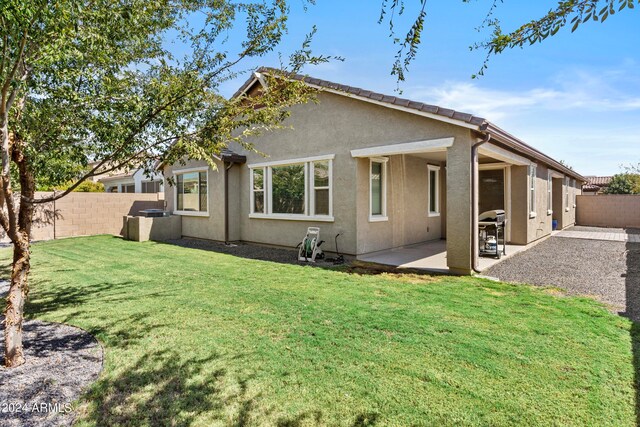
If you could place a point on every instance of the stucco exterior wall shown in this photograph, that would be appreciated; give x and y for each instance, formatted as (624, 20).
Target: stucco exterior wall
(539, 221)
(407, 209)
(527, 228)
(336, 126)
(569, 215)
(459, 230)
(519, 205)
(210, 226)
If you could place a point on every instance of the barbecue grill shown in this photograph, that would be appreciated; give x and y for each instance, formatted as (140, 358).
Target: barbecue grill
(491, 225)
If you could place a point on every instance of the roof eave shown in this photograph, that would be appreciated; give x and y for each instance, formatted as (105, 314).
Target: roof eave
(506, 138)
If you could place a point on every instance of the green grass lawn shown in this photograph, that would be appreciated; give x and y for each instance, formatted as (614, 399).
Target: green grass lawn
(201, 338)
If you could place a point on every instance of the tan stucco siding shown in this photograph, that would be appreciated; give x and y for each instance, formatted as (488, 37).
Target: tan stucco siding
(570, 215)
(459, 207)
(539, 222)
(525, 227)
(205, 227)
(337, 125)
(407, 209)
(519, 204)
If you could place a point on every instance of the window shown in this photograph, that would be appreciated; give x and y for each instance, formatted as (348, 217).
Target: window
(320, 197)
(434, 190)
(151, 186)
(575, 192)
(549, 193)
(128, 188)
(257, 190)
(532, 191)
(378, 189)
(298, 189)
(566, 193)
(288, 189)
(191, 192)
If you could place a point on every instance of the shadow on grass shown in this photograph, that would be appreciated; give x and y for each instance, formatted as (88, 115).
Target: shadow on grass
(160, 388)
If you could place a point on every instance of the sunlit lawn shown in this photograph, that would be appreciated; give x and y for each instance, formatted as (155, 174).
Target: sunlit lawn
(200, 338)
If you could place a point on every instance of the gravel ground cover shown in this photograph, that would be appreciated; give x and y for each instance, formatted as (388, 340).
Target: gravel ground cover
(247, 250)
(61, 362)
(606, 270)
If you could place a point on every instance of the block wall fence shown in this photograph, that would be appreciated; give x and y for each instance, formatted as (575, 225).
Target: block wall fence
(609, 210)
(86, 214)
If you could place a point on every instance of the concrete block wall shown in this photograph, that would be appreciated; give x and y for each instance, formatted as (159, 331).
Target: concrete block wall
(609, 210)
(85, 214)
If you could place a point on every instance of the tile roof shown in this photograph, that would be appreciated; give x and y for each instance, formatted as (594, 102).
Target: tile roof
(590, 188)
(375, 96)
(598, 180)
(470, 120)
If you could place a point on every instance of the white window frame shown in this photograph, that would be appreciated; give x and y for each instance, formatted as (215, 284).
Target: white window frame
(313, 188)
(549, 192)
(575, 192)
(175, 193)
(383, 216)
(263, 190)
(566, 193)
(533, 173)
(436, 169)
(309, 196)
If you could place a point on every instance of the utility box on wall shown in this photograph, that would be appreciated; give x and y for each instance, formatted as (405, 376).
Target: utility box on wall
(142, 229)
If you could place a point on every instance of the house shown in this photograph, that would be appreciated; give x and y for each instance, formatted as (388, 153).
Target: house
(595, 185)
(130, 181)
(381, 171)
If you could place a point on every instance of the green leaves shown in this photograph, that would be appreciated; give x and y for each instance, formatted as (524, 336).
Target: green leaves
(576, 12)
(97, 81)
(624, 183)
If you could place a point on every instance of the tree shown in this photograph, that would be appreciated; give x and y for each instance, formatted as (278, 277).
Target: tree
(634, 171)
(94, 80)
(623, 183)
(566, 12)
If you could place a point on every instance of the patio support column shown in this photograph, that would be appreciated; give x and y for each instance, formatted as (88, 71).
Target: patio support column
(459, 224)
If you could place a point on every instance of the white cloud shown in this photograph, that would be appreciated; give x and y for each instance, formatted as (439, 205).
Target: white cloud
(575, 90)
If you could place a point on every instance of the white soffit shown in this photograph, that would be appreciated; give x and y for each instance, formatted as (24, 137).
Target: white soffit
(503, 155)
(428, 146)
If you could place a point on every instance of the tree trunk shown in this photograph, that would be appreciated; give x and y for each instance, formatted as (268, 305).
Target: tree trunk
(14, 355)
(21, 238)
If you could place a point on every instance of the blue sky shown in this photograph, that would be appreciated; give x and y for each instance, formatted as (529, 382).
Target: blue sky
(576, 96)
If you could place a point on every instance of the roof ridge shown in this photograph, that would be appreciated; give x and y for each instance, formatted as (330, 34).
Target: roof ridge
(463, 119)
(376, 96)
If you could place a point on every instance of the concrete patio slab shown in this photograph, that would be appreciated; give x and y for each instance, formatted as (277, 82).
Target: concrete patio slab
(613, 235)
(431, 256)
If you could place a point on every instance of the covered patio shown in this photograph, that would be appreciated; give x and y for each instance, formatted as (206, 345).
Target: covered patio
(492, 180)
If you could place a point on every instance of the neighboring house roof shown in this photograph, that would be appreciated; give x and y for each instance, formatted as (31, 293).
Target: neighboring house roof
(598, 180)
(116, 176)
(596, 183)
(226, 155)
(438, 113)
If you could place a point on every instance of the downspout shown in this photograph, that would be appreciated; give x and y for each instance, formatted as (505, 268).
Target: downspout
(227, 166)
(474, 201)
